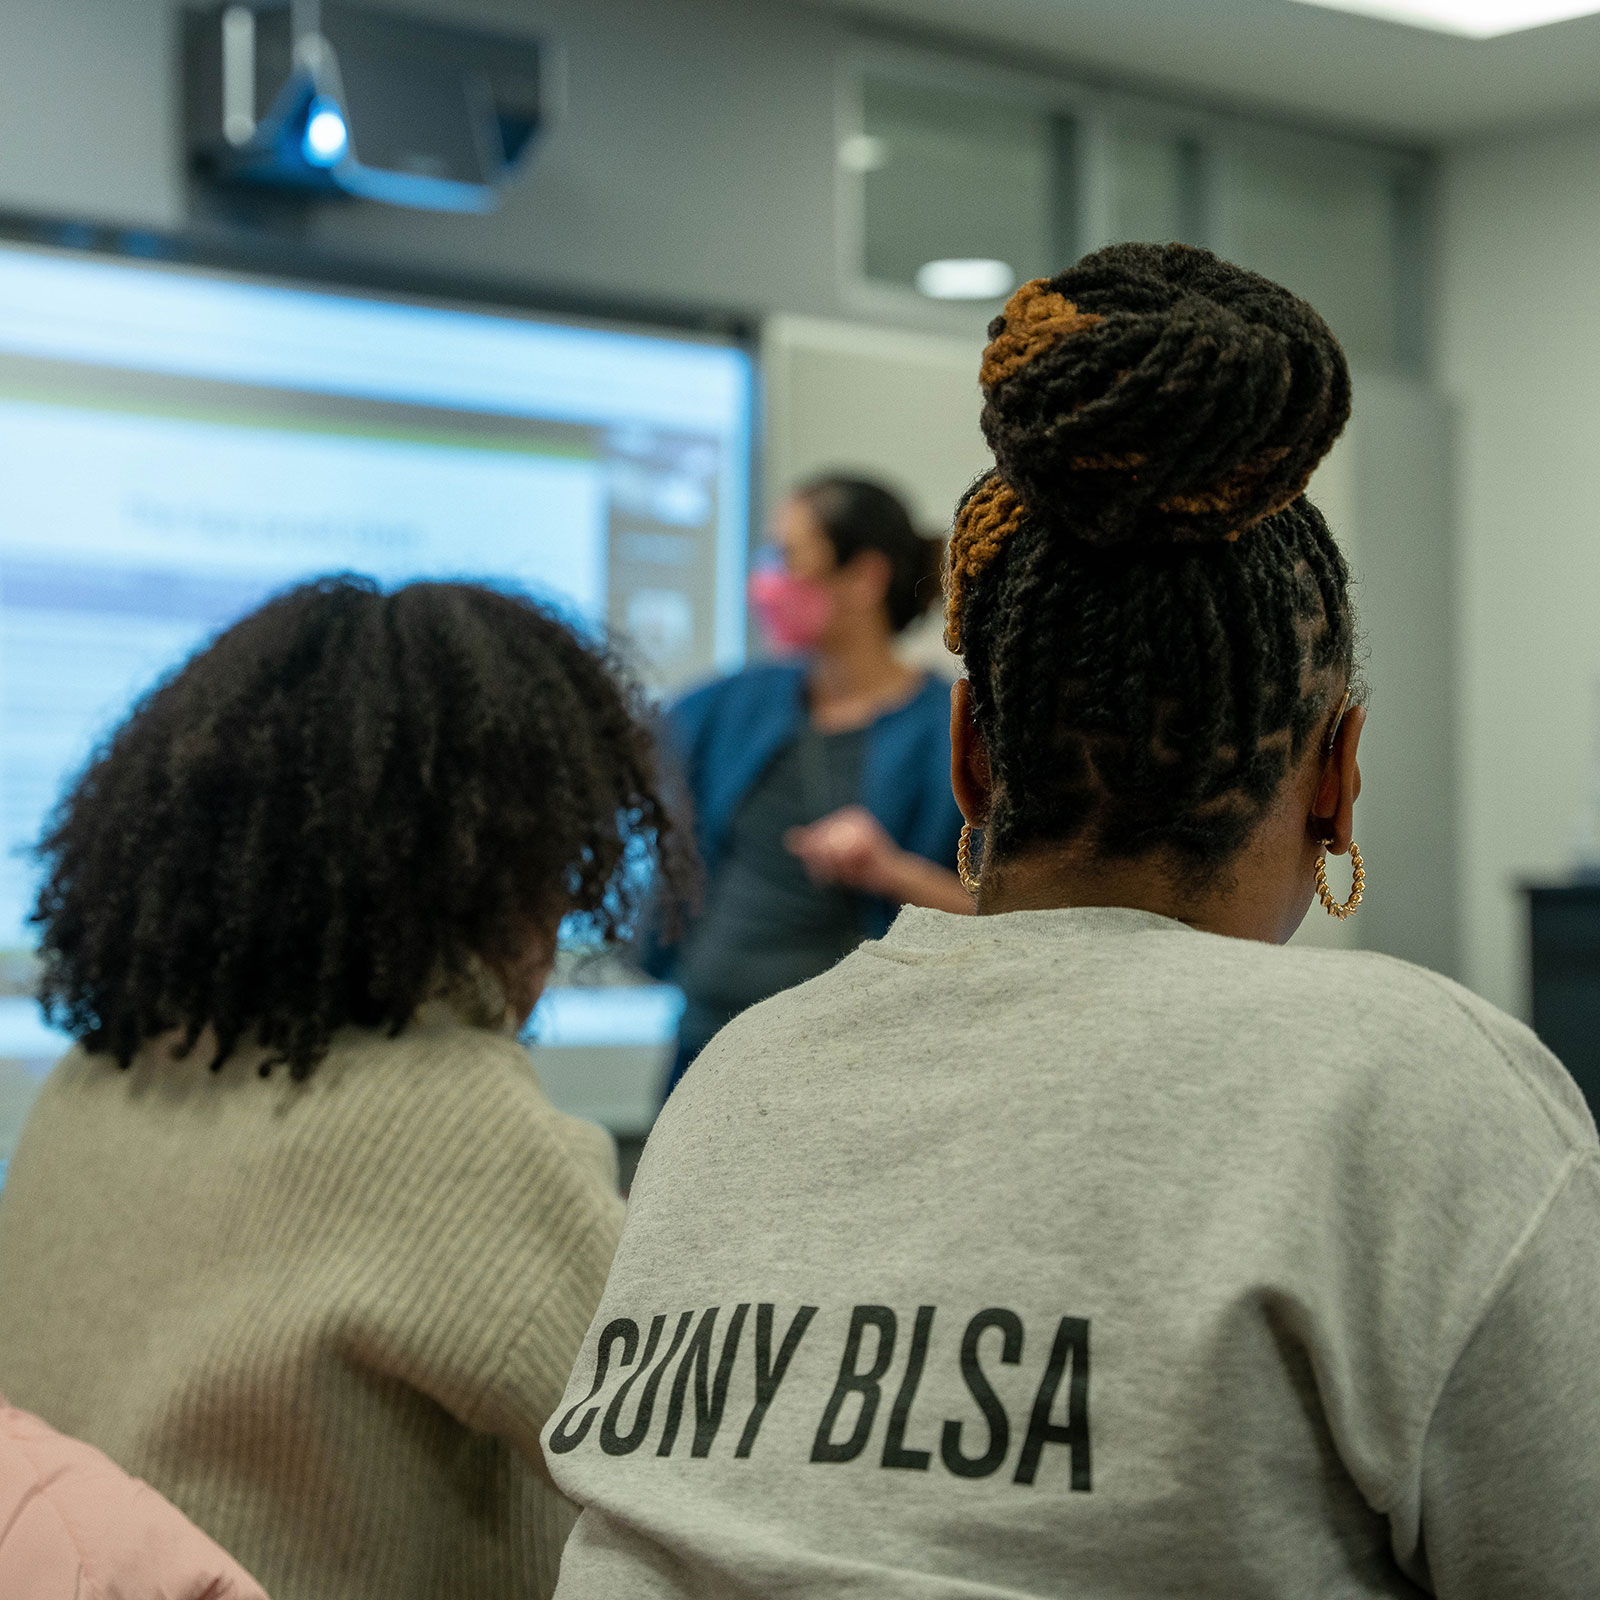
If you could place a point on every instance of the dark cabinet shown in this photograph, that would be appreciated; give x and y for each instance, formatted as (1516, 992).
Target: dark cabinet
(1564, 924)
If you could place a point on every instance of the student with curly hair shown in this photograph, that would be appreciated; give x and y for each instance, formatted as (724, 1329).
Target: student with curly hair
(1099, 1244)
(293, 1234)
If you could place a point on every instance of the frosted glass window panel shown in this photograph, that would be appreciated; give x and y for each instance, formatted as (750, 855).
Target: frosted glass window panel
(1147, 183)
(1324, 226)
(955, 175)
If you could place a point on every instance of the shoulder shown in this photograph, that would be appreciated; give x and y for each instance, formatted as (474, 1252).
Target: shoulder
(1328, 1038)
(76, 1517)
(1430, 1053)
(927, 711)
(37, 1547)
(1506, 1040)
(727, 707)
(762, 683)
(933, 698)
(456, 1172)
(458, 1105)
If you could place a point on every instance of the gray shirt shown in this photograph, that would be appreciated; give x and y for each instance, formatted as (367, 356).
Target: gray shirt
(766, 926)
(1077, 1253)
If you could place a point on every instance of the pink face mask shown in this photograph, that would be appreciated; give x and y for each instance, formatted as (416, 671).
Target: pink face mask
(793, 612)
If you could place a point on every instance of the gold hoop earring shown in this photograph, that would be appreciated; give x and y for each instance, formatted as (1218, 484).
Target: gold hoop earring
(1357, 883)
(970, 880)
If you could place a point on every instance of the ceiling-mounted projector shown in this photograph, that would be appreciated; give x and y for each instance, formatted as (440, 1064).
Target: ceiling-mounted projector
(325, 97)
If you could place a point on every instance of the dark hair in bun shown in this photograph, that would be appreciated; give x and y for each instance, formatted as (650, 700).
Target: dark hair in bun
(857, 514)
(1153, 616)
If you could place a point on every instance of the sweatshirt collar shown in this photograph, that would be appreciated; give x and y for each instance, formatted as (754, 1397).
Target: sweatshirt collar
(918, 928)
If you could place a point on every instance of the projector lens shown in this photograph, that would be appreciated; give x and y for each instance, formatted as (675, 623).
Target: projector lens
(326, 138)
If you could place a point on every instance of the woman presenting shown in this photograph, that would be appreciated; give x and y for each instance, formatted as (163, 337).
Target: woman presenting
(820, 782)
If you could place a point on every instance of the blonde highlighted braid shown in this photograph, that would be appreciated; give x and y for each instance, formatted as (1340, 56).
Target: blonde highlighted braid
(1035, 319)
(989, 515)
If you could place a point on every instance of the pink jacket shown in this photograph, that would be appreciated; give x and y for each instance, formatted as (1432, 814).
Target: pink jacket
(75, 1526)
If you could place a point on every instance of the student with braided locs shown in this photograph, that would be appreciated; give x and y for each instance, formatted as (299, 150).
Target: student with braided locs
(1099, 1244)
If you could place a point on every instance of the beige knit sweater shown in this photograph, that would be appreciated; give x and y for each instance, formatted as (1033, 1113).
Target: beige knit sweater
(328, 1319)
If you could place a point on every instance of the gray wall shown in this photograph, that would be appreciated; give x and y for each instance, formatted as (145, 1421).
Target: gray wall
(694, 161)
(1520, 355)
(1402, 436)
(85, 119)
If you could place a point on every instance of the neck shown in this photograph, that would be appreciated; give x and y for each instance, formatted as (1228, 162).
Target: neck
(1056, 878)
(852, 680)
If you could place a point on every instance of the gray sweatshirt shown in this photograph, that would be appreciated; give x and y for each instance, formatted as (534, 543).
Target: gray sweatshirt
(1077, 1253)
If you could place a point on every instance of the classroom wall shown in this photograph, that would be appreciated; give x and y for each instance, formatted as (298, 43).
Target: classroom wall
(886, 403)
(1401, 443)
(693, 162)
(1520, 356)
(82, 129)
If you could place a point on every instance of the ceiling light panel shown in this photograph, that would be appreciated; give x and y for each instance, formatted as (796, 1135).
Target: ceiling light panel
(1472, 19)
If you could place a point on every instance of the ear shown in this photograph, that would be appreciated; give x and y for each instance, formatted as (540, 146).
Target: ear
(969, 758)
(870, 573)
(1332, 814)
(526, 970)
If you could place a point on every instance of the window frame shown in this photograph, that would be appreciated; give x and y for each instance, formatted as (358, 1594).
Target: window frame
(1217, 136)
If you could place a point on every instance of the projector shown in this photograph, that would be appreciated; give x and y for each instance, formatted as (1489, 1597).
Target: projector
(327, 98)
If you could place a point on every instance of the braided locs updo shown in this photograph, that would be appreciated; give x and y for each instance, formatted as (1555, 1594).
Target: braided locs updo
(324, 816)
(1153, 616)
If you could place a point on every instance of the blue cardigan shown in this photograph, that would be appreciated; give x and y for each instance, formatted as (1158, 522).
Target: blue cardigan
(725, 735)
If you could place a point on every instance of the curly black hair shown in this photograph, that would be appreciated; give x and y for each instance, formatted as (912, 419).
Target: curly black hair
(1153, 616)
(857, 514)
(324, 815)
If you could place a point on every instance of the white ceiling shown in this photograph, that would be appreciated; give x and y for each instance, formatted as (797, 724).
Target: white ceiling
(1322, 67)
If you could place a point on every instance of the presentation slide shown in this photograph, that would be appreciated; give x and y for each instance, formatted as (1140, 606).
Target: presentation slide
(178, 444)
